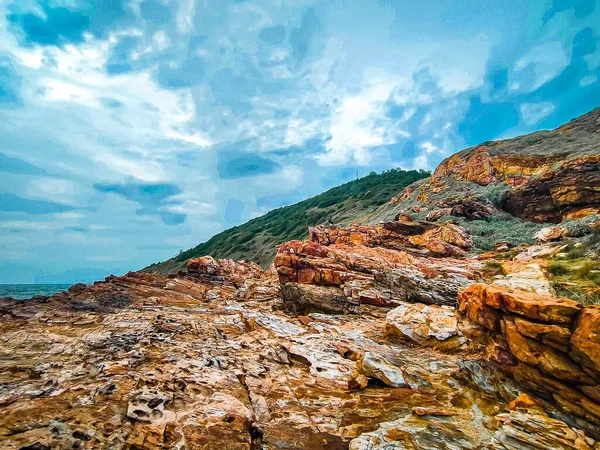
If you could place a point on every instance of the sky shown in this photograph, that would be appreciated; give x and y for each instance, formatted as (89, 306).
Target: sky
(131, 129)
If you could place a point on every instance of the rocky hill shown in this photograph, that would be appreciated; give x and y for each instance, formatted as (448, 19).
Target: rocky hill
(542, 177)
(399, 334)
(256, 240)
(546, 176)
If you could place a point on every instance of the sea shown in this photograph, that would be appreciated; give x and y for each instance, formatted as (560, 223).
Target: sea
(24, 291)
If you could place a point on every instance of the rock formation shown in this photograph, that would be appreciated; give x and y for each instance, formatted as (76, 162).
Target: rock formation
(546, 176)
(548, 344)
(339, 269)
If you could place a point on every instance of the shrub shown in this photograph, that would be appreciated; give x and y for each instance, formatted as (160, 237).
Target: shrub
(558, 268)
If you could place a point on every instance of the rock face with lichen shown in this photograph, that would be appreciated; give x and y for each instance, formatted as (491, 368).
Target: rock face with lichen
(148, 362)
(348, 342)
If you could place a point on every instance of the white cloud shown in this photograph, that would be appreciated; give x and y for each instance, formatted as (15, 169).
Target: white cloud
(56, 190)
(190, 207)
(533, 113)
(420, 162)
(185, 15)
(148, 171)
(360, 122)
(538, 66)
(587, 80)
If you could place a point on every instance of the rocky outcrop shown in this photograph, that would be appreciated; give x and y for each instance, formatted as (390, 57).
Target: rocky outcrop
(417, 237)
(341, 268)
(526, 276)
(469, 208)
(547, 344)
(567, 191)
(548, 176)
(428, 325)
(151, 362)
(476, 167)
(534, 429)
(241, 279)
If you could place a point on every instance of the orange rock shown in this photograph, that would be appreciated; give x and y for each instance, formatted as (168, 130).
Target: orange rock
(559, 365)
(476, 167)
(533, 306)
(554, 335)
(585, 342)
(523, 348)
(524, 401)
(581, 213)
(430, 411)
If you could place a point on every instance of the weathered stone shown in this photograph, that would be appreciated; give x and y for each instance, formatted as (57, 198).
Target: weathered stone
(523, 348)
(548, 234)
(527, 277)
(452, 234)
(305, 298)
(553, 335)
(524, 401)
(354, 262)
(559, 365)
(585, 342)
(535, 430)
(527, 304)
(415, 432)
(428, 411)
(424, 325)
(376, 366)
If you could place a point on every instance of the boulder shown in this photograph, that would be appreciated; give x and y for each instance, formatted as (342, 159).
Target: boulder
(452, 234)
(421, 324)
(548, 234)
(543, 308)
(376, 366)
(526, 277)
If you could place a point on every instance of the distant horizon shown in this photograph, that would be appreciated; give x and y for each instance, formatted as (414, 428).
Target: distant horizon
(132, 132)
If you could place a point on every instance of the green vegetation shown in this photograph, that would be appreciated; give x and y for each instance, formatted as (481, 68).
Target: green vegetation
(500, 228)
(575, 272)
(256, 240)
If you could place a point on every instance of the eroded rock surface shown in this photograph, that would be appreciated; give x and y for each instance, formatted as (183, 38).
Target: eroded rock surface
(341, 268)
(148, 362)
(548, 344)
(351, 340)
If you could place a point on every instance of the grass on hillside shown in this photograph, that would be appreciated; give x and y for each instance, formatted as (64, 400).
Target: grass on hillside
(500, 228)
(256, 239)
(575, 272)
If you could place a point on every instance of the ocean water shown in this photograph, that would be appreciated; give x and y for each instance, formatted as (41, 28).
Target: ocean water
(23, 291)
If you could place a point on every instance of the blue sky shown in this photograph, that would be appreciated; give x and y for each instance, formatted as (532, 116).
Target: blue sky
(130, 129)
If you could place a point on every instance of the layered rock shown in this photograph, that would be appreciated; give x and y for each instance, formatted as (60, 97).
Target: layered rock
(571, 190)
(543, 177)
(547, 344)
(245, 280)
(428, 325)
(148, 362)
(469, 208)
(341, 268)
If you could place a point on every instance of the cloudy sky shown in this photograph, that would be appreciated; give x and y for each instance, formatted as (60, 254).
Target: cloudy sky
(130, 129)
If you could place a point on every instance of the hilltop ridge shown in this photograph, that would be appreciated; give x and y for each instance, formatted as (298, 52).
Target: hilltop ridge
(256, 239)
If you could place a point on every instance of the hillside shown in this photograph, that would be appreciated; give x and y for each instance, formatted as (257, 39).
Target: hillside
(494, 170)
(530, 180)
(256, 239)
